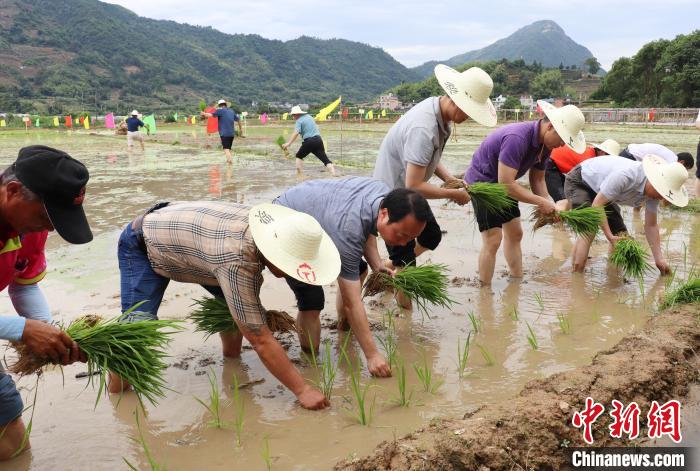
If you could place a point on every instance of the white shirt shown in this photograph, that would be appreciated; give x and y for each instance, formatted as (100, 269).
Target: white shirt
(620, 180)
(641, 150)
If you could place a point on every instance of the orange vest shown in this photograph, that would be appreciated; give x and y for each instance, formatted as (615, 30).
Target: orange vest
(565, 158)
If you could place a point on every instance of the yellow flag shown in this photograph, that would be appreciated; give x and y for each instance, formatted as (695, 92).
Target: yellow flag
(370, 115)
(55, 120)
(86, 122)
(383, 113)
(2, 123)
(323, 114)
(194, 120)
(284, 117)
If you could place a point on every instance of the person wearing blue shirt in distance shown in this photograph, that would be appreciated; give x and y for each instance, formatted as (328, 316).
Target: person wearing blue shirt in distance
(133, 123)
(226, 117)
(312, 143)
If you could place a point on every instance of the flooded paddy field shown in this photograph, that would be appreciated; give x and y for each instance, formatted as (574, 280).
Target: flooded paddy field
(182, 163)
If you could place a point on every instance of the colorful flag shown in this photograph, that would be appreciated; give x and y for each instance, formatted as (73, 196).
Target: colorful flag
(323, 114)
(263, 118)
(370, 114)
(284, 117)
(55, 121)
(194, 120)
(345, 113)
(86, 121)
(27, 121)
(150, 123)
(109, 121)
(3, 123)
(383, 113)
(213, 122)
(69, 121)
(37, 122)
(175, 116)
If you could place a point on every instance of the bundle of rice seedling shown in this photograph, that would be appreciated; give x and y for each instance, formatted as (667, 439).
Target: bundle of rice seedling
(687, 293)
(280, 141)
(491, 196)
(212, 317)
(583, 221)
(631, 257)
(202, 105)
(134, 351)
(425, 284)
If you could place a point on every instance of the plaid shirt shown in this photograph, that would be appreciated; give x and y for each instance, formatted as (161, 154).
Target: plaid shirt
(208, 242)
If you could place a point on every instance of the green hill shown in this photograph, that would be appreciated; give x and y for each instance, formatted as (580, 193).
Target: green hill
(544, 42)
(60, 55)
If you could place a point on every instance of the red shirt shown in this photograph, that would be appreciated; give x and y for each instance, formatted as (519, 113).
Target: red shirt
(565, 158)
(22, 259)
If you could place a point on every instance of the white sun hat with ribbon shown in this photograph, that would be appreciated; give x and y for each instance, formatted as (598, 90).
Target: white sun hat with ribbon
(568, 122)
(296, 109)
(470, 91)
(295, 243)
(667, 178)
(609, 146)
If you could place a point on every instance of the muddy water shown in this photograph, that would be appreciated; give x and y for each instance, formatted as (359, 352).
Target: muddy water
(69, 432)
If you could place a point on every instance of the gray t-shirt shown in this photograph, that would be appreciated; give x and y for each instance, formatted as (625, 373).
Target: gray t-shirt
(639, 151)
(418, 137)
(620, 180)
(347, 210)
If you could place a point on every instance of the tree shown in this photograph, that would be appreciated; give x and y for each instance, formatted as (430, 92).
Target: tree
(592, 64)
(512, 102)
(547, 84)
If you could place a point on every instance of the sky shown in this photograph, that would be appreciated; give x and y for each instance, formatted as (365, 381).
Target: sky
(414, 32)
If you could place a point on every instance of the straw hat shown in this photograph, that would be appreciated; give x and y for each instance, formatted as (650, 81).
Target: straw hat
(610, 146)
(220, 102)
(134, 113)
(295, 243)
(568, 122)
(296, 109)
(470, 91)
(667, 178)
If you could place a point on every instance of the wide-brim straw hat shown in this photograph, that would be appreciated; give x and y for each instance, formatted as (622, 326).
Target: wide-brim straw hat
(568, 122)
(667, 178)
(470, 91)
(295, 243)
(609, 146)
(134, 113)
(296, 109)
(221, 102)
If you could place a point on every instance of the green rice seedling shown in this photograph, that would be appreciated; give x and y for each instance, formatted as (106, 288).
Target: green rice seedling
(531, 337)
(564, 323)
(214, 406)
(388, 341)
(212, 316)
(202, 105)
(514, 313)
(463, 355)
(280, 141)
(133, 350)
(493, 197)
(693, 206)
(363, 410)
(266, 456)
(539, 300)
(404, 397)
(238, 407)
(583, 221)
(488, 358)
(425, 284)
(327, 371)
(425, 375)
(476, 322)
(630, 256)
(687, 293)
(146, 449)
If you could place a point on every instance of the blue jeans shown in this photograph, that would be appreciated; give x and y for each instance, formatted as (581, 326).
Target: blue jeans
(139, 282)
(10, 401)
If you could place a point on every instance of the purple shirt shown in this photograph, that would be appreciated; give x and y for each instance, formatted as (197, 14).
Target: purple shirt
(515, 145)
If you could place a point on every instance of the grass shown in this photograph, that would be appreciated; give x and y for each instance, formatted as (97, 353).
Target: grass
(514, 313)
(327, 372)
(539, 300)
(214, 406)
(564, 323)
(146, 450)
(238, 407)
(488, 358)
(493, 197)
(425, 375)
(134, 351)
(425, 284)
(630, 256)
(363, 410)
(531, 337)
(212, 316)
(404, 398)
(583, 221)
(265, 453)
(686, 293)
(463, 355)
(476, 322)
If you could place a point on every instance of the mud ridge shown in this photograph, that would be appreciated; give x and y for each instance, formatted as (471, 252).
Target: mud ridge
(659, 362)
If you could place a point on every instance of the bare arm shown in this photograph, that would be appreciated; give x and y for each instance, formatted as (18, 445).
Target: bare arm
(291, 139)
(240, 128)
(443, 174)
(538, 184)
(506, 175)
(204, 114)
(415, 176)
(355, 313)
(651, 230)
(599, 202)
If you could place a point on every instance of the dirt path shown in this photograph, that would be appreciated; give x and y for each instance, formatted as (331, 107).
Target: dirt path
(660, 362)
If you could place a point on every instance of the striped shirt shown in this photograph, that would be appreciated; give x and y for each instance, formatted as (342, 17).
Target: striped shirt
(209, 243)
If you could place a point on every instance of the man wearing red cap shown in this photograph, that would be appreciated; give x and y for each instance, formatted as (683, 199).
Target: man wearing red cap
(42, 191)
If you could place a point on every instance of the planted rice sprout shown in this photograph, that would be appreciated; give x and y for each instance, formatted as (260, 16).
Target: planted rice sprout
(155, 466)
(514, 313)
(583, 221)
(686, 293)
(476, 322)
(133, 350)
(327, 371)
(425, 375)
(539, 300)
(388, 341)
(215, 403)
(531, 337)
(265, 453)
(630, 256)
(363, 410)
(424, 285)
(463, 355)
(238, 407)
(212, 316)
(404, 398)
(564, 323)
(488, 358)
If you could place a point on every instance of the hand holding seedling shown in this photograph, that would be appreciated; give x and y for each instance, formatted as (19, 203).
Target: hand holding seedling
(47, 341)
(461, 197)
(312, 399)
(663, 267)
(378, 366)
(546, 206)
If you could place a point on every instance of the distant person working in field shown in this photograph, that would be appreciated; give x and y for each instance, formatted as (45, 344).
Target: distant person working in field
(225, 247)
(507, 154)
(611, 181)
(42, 191)
(312, 143)
(564, 158)
(133, 123)
(226, 117)
(354, 212)
(411, 151)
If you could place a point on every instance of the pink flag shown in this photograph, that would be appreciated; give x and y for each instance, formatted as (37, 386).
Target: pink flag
(263, 118)
(109, 121)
